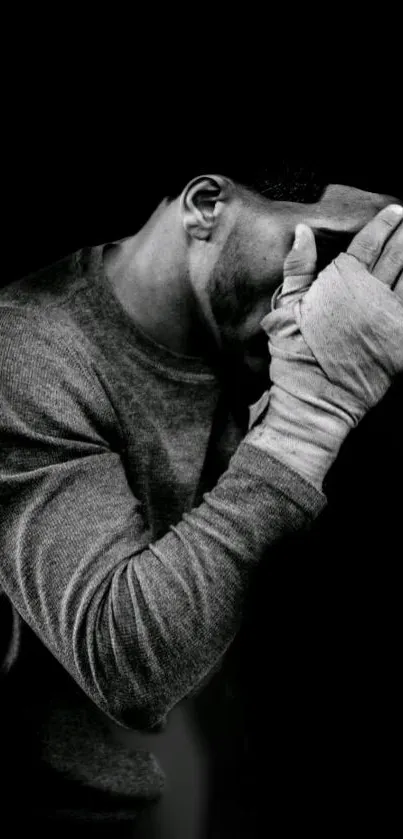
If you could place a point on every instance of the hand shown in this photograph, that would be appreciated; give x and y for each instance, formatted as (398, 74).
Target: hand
(335, 343)
(379, 248)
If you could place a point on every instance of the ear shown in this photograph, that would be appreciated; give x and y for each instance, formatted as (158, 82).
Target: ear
(202, 204)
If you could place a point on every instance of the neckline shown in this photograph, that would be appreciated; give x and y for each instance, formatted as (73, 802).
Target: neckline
(92, 266)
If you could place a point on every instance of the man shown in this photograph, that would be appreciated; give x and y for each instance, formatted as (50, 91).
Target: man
(126, 376)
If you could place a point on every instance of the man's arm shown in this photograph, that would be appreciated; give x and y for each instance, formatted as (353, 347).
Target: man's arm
(138, 625)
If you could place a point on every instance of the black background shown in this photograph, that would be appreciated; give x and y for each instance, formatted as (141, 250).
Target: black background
(320, 654)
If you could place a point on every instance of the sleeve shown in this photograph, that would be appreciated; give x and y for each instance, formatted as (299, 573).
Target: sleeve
(137, 624)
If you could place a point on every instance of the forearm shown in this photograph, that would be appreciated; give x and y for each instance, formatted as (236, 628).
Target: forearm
(305, 437)
(180, 600)
(140, 624)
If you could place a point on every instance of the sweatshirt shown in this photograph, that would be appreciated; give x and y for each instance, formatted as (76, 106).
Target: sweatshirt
(133, 514)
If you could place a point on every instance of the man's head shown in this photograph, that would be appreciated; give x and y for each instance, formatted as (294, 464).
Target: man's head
(223, 240)
(238, 235)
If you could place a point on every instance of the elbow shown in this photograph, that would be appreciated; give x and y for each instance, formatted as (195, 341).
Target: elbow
(126, 705)
(127, 695)
(119, 673)
(139, 717)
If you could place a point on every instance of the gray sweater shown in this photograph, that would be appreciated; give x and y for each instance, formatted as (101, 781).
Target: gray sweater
(118, 552)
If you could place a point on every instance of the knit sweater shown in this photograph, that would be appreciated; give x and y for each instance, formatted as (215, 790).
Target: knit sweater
(131, 523)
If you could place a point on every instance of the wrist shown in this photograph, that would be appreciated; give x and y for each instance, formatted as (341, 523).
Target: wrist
(303, 436)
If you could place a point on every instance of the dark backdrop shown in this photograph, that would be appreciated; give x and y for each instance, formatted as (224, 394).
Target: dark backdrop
(317, 666)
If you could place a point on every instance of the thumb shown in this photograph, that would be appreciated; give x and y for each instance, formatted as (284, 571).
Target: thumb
(300, 264)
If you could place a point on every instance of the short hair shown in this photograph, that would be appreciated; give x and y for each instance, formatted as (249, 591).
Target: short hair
(299, 179)
(280, 180)
(296, 176)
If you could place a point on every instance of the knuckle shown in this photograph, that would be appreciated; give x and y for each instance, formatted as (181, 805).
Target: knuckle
(368, 245)
(299, 265)
(394, 255)
(388, 219)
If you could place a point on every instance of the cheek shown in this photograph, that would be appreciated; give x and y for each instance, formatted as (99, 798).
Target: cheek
(271, 247)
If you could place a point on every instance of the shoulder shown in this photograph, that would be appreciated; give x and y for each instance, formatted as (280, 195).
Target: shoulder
(47, 375)
(44, 286)
(29, 335)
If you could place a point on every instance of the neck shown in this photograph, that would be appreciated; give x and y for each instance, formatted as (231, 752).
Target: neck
(151, 283)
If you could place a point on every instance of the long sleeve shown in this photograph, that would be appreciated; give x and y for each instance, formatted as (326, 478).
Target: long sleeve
(137, 624)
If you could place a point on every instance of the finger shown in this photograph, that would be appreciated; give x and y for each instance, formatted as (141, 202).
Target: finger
(390, 263)
(368, 243)
(300, 264)
(398, 287)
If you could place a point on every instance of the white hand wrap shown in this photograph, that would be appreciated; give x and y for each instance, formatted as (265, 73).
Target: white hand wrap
(334, 353)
